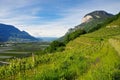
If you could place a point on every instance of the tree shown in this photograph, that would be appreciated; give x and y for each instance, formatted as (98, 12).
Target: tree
(55, 46)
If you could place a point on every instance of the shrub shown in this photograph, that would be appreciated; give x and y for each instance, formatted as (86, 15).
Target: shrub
(116, 75)
(55, 46)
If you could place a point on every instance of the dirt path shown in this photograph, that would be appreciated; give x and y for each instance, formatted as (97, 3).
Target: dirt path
(116, 44)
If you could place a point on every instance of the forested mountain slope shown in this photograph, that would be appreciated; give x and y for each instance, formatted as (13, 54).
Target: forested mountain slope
(90, 22)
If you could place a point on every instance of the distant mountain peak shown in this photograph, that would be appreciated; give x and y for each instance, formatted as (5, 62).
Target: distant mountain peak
(9, 33)
(95, 15)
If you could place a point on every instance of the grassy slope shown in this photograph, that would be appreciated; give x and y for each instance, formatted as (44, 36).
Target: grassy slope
(89, 57)
(86, 58)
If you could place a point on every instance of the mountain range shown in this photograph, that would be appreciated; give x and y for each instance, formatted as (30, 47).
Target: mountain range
(9, 33)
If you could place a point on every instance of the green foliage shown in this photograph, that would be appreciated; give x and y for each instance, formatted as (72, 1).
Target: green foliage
(55, 46)
(73, 35)
(116, 75)
(98, 26)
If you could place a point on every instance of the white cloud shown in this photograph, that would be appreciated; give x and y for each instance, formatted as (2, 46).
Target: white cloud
(46, 30)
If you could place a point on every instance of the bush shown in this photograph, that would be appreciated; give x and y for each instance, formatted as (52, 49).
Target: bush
(55, 46)
(116, 75)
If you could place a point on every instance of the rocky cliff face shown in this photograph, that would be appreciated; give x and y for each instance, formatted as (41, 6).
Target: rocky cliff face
(87, 18)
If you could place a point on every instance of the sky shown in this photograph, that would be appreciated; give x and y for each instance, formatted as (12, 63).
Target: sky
(51, 18)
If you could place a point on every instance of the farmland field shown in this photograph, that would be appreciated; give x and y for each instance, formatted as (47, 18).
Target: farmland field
(20, 50)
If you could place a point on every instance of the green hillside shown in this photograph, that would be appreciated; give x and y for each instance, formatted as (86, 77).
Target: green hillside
(92, 56)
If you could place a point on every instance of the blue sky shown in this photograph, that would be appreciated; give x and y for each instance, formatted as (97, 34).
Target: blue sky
(51, 18)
